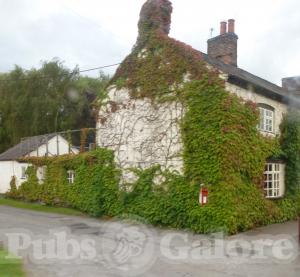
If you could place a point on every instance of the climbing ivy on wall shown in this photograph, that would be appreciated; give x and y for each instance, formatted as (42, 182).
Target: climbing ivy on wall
(219, 130)
(233, 207)
(222, 148)
(220, 136)
(158, 68)
(291, 149)
(95, 188)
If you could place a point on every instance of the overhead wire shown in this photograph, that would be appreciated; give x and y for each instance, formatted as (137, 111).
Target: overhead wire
(80, 71)
(65, 74)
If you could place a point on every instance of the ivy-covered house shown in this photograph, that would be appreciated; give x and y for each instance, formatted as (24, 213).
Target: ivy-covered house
(198, 114)
(174, 119)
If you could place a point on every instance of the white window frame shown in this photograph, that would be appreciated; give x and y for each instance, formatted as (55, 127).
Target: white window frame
(274, 180)
(24, 175)
(71, 176)
(42, 173)
(267, 119)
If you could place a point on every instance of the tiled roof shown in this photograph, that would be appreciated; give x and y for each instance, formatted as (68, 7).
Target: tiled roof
(237, 74)
(25, 147)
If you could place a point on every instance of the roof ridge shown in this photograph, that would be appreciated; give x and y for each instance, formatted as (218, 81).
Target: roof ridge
(24, 147)
(247, 77)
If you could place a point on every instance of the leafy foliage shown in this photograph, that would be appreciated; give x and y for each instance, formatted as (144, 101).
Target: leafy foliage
(39, 101)
(175, 62)
(94, 190)
(220, 137)
(232, 207)
(291, 148)
(222, 148)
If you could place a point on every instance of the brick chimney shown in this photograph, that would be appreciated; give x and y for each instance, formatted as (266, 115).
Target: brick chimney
(292, 85)
(224, 46)
(223, 28)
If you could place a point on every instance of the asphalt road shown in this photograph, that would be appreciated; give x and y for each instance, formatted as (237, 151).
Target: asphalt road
(57, 245)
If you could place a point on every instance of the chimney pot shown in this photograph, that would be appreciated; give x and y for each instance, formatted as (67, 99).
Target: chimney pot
(224, 47)
(223, 28)
(291, 83)
(231, 27)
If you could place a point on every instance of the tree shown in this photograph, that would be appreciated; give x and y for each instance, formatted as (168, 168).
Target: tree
(40, 101)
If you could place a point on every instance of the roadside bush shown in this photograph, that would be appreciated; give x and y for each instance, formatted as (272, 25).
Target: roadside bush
(13, 191)
(94, 190)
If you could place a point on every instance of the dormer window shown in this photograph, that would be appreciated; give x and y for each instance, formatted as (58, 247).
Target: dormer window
(267, 114)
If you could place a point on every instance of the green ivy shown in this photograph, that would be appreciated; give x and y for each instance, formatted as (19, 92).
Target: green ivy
(222, 148)
(94, 191)
(220, 137)
(291, 149)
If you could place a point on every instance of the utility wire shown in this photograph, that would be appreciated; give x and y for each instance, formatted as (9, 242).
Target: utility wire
(66, 74)
(97, 68)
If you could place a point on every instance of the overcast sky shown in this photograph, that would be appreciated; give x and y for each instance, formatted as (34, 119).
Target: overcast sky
(91, 33)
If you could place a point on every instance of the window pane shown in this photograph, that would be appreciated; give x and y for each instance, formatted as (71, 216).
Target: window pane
(272, 180)
(270, 185)
(266, 119)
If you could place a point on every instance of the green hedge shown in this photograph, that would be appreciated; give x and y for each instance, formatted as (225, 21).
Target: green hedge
(94, 191)
(173, 203)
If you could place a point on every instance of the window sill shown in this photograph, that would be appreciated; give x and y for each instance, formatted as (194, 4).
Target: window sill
(267, 132)
(275, 198)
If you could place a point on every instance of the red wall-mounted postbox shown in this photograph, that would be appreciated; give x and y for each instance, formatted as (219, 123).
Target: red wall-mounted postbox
(203, 196)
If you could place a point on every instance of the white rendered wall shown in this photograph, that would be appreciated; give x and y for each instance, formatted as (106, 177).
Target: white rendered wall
(8, 169)
(53, 150)
(142, 133)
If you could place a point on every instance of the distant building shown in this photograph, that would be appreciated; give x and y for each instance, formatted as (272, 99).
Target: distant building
(38, 146)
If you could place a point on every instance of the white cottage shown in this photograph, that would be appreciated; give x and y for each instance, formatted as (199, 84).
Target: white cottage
(142, 134)
(38, 146)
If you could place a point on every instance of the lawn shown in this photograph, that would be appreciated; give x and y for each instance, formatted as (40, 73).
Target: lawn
(38, 207)
(10, 267)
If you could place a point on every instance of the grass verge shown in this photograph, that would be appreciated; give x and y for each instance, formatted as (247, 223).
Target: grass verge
(39, 207)
(10, 267)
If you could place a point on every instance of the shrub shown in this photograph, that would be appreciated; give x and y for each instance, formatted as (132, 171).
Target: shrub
(95, 188)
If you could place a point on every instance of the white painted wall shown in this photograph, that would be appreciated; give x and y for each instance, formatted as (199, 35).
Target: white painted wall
(53, 150)
(8, 169)
(142, 134)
